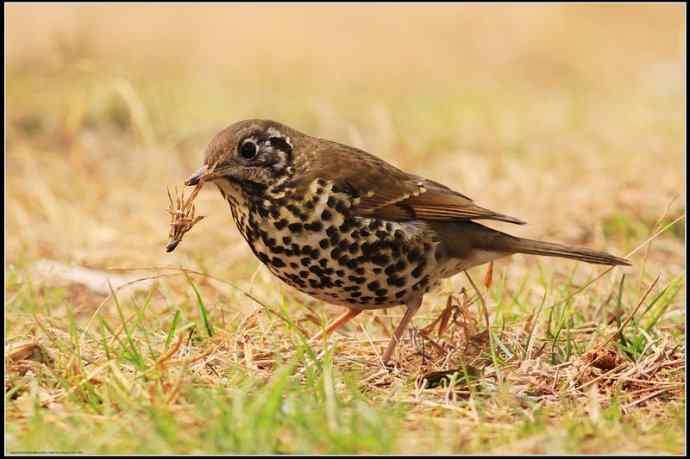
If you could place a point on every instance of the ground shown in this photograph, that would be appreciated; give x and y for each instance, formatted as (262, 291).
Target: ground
(569, 117)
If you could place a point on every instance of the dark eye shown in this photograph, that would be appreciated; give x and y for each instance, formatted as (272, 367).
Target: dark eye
(248, 150)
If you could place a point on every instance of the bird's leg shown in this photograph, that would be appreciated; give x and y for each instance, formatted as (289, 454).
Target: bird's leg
(339, 322)
(412, 308)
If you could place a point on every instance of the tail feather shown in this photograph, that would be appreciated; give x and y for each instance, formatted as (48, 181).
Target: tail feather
(551, 249)
(493, 240)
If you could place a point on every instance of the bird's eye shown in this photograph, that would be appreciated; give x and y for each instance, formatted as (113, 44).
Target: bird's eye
(248, 150)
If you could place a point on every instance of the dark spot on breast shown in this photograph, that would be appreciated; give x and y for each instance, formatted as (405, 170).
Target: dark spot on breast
(359, 271)
(347, 225)
(293, 265)
(396, 281)
(336, 253)
(400, 293)
(323, 262)
(305, 261)
(277, 262)
(380, 260)
(323, 243)
(361, 259)
(376, 246)
(341, 273)
(295, 228)
(326, 215)
(413, 255)
(296, 279)
(314, 283)
(366, 298)
(331, 202)
(355, 294)
(287, 239)
(419, 269)
(314, 226)
(373, 286)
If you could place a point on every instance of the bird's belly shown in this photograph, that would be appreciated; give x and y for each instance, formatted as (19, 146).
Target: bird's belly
(360, 262)
(450, 266)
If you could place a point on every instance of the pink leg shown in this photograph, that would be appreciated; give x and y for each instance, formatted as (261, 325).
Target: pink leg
(412, 309)
(339, 322)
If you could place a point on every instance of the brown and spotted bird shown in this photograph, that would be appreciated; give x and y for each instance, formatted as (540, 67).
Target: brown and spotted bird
(346, 227)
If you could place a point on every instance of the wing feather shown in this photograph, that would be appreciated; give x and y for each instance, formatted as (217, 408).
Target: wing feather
(384, 191)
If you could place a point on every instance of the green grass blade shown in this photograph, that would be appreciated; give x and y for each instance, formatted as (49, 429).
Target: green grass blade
(202, 307)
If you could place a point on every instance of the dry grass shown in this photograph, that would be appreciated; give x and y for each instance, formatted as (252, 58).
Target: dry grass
(570, 117)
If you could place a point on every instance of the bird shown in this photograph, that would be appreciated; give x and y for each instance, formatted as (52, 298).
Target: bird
(350, 229)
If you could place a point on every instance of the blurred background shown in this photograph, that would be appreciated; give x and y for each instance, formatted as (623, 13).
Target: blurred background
(571, 117)
(568, 116)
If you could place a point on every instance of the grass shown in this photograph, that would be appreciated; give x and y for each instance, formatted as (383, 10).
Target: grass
(202, 351)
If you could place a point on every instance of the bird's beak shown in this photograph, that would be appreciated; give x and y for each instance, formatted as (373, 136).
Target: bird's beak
(197, 176)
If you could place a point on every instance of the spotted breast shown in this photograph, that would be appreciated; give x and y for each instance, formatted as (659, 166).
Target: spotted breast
(312, 242)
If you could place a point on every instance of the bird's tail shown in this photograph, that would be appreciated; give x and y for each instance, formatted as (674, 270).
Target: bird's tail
(490, 239)
(551, 249)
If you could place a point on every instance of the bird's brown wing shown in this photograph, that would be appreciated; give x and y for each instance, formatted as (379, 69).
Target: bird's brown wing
(384, 191)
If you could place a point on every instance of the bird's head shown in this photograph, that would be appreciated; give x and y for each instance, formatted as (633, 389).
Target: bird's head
(250, 155)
